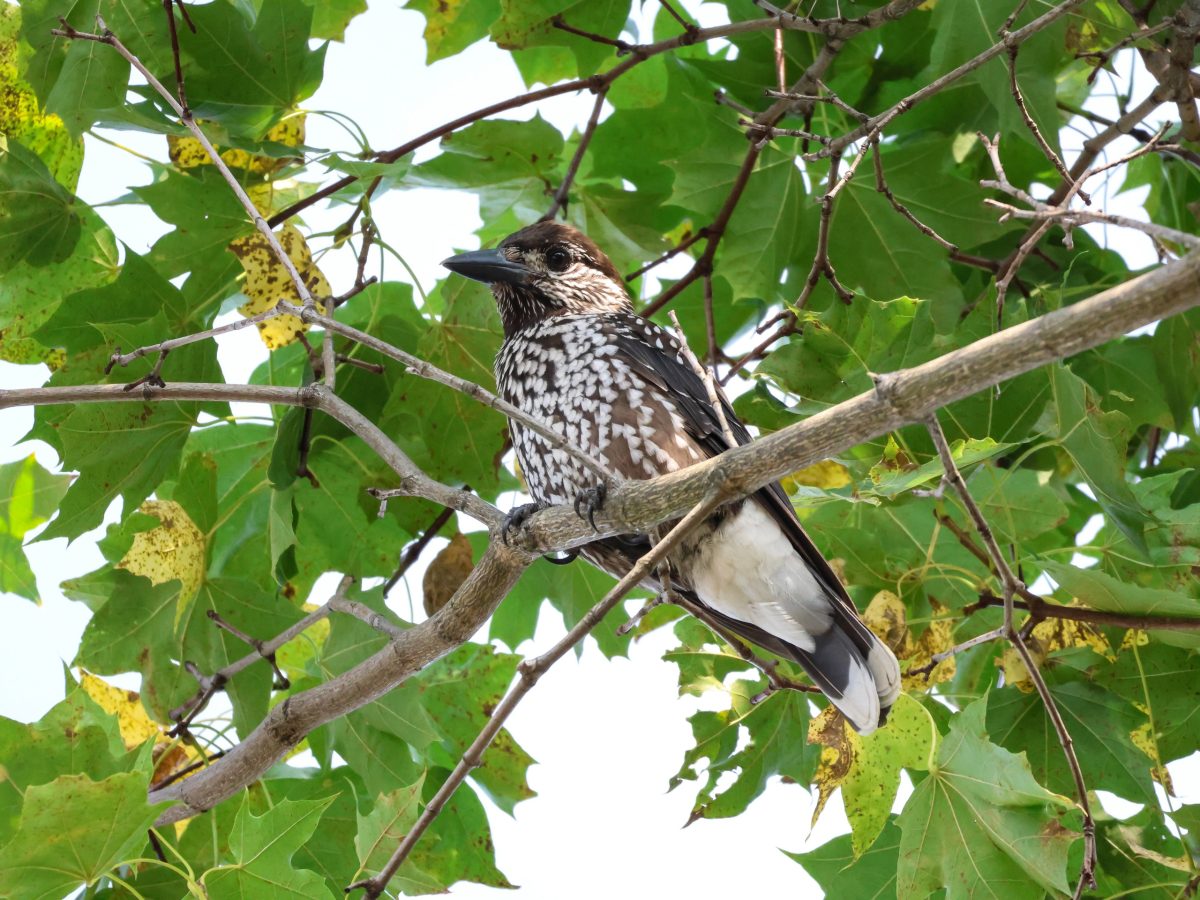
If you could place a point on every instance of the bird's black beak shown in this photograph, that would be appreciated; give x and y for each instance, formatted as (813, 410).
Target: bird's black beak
(488, 266)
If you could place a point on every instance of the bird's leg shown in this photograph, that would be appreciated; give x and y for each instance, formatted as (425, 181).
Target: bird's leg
(517, 517)
(589, 502)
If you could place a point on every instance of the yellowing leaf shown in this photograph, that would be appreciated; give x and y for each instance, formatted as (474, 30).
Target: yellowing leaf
(446, 573)
(1048, 636)
(841, 746)
(826, 474)
(175, 550)
(267, 282)
(293, 657)
(21, 118)
(188, 153)
(867, 769)
(888, 619)
(136, 726)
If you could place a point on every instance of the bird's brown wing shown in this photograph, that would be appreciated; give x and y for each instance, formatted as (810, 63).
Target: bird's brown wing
(656, 355)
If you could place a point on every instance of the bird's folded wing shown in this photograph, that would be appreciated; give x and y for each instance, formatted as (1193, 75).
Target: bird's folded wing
(656, 355)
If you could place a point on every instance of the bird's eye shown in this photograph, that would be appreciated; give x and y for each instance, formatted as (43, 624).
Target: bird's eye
(558, 259)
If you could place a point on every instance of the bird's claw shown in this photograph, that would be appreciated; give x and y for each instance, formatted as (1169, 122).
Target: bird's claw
(588, 502)
(517, 517)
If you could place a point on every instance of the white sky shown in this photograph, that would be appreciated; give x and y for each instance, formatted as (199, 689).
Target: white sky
(607, 735)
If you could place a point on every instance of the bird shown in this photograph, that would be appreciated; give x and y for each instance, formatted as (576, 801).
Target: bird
(623, 389)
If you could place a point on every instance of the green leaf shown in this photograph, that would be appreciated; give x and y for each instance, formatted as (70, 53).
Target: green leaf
(842, 873)
(206, 216)
(90, 86)
(908, 741)
(774, 733)
(1095, 441)
(979, 820)
(245, 74)
(460, 438)
(261, 848)
(1018, 504)
(74, 830)
(457, 692)
(1176, 352)
(1100, 725)
(452, 27)
(29, 495)
(330, 17)
(382, 829)
(765, 235)
(119, 449)
(1100, 591)
(75, 737)
(39, 223)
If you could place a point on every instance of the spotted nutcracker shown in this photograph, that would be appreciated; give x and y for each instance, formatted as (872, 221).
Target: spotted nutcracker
(618, 386)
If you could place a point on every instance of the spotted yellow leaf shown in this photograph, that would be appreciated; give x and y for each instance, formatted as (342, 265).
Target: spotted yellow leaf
(1048, 636)
(888, 619)
(21, 117)
(267, 282)
(174, 551)
(188, 153)
(867, 768)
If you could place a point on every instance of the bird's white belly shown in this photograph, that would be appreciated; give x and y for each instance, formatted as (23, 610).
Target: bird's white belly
(749, 570)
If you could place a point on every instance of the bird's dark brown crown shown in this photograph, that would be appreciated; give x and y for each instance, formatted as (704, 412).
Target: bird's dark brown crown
(567, 274)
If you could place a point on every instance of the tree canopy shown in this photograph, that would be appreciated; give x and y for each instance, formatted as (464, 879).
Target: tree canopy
(887, 229)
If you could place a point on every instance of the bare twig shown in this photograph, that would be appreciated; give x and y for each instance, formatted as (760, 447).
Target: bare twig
(1015, 88)
(530, 671)
(585, 138)
(209, 685)
(936, 86)
(1011, 585)
(938, 658)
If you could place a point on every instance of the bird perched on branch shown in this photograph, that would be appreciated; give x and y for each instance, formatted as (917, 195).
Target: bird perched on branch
(623, 389)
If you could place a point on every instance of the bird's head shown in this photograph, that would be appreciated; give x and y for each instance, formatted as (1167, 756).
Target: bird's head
(545, 270)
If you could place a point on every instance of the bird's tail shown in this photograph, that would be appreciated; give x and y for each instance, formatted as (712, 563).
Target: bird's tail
(855, 670)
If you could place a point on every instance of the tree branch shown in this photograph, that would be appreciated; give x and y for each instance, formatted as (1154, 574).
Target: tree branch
(530, 672)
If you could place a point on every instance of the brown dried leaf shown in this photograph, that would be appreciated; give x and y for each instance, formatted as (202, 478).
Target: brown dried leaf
(446, 573)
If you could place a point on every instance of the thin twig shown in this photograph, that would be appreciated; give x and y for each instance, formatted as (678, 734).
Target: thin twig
(530, 671)
(1011, 585)
(1015, 88)
(939, 84)
(185, 117)
(938, 658)
(585, 138)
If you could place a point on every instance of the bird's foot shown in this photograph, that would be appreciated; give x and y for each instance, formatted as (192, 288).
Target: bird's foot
(517, 517)
(591, 501)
